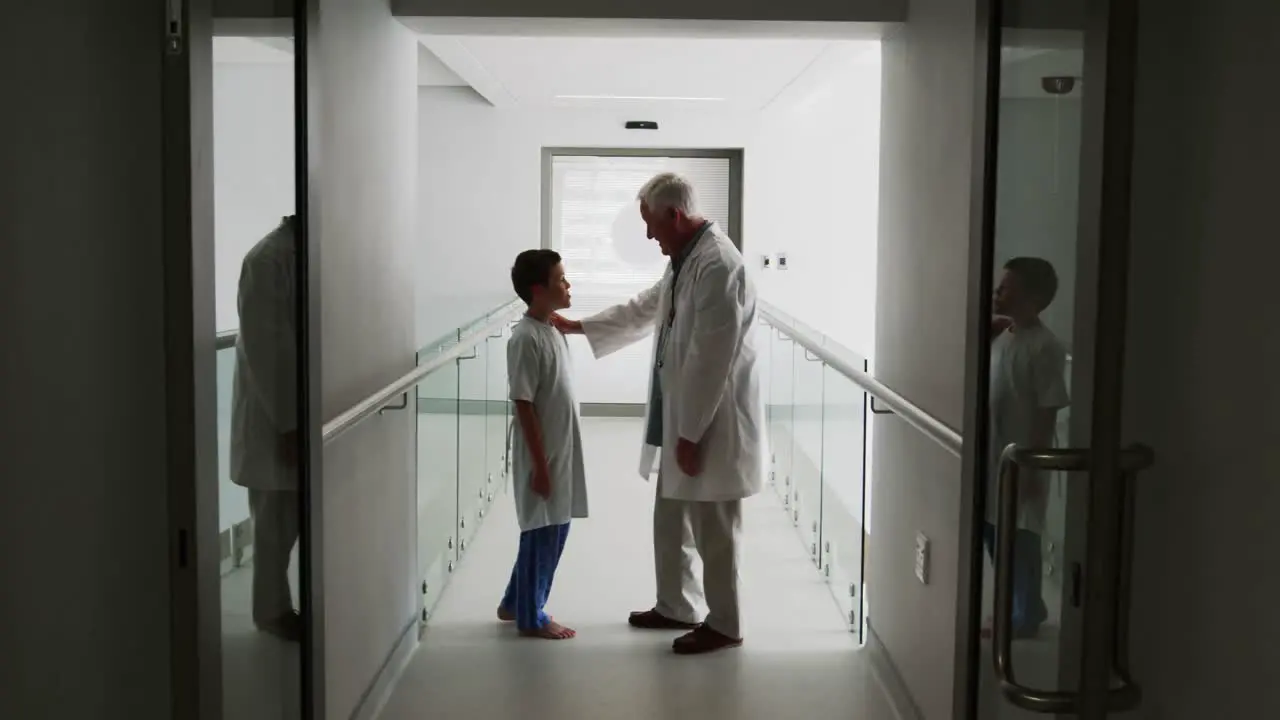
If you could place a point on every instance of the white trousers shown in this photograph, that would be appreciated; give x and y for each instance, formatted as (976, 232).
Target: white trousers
(275, 532)
(683, 531)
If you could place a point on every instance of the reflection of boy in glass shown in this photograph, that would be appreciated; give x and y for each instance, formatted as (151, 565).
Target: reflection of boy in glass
(1028, 388)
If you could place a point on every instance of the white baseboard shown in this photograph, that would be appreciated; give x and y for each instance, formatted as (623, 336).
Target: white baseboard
(375, 697)
(886, 673)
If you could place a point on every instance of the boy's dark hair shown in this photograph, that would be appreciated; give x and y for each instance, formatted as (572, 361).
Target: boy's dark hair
(1038, 278)
(532, 267)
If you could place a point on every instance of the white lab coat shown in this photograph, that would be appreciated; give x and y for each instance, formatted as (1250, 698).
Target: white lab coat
(264, 402)
(711, 387)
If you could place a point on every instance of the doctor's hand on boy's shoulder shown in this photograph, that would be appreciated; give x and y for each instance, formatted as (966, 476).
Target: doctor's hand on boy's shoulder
(542, 482)
(565, 325)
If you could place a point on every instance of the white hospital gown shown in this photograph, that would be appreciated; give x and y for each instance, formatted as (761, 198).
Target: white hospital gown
(538, 371)
(1028, 374)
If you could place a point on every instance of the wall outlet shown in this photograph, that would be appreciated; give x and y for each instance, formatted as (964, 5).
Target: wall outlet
(766, 262)
(782, 261)
(922, 559)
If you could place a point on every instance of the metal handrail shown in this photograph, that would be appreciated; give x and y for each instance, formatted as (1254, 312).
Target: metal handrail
(369, 406)
(226, 339)
(946, 436)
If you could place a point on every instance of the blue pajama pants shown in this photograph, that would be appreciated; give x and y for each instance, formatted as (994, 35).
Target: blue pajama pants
(1029, 611)
(531, 578)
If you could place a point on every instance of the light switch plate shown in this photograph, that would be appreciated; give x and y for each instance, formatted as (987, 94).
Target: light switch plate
(766, 262)
(782, 261)
(922, 558)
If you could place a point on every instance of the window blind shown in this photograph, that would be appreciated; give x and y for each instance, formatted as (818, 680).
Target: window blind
(596, 227)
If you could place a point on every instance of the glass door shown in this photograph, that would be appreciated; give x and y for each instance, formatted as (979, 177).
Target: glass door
(267, 419)
(1053, 478)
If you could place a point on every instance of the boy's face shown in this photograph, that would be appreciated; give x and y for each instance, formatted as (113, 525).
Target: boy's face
(555, 295)
(1009, 297)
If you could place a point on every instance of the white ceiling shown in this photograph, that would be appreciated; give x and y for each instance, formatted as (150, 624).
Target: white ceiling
(539, 72)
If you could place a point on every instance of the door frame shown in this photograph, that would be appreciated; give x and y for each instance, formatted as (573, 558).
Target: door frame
(1089, 634)
(308, 120)
(298, 19)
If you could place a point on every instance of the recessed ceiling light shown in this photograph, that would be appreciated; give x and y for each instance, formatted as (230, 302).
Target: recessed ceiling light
(638, 97)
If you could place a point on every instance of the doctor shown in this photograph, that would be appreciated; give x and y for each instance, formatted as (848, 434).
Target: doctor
(705, 421)
(264, 422)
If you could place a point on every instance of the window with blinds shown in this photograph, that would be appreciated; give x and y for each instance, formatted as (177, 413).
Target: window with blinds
(595, 225)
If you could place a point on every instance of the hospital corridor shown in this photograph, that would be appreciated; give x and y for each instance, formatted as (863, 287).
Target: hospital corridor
(798, 650)
(939, 333)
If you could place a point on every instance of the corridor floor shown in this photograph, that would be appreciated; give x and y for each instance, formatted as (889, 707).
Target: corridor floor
(798, 658)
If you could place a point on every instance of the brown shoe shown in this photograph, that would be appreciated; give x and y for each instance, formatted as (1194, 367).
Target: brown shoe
(704, 640)
(287, 627)
(654, 620)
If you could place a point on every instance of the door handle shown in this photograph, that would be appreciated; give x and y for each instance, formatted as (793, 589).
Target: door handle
(1132, 460)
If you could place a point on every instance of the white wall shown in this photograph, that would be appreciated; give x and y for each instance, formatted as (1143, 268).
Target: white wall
(921, 296)
(85, 612)
(253, 165)
(480, 200)
(813, 180)
(366, 194)
(810, 177)
(1037, 179)
(1202, 352)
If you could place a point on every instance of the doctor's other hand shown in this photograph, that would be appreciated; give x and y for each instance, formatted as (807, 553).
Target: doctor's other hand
(542, 483)
(287, 448)
(566, 326)
(689, 457)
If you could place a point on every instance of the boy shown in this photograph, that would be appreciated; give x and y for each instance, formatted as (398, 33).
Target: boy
(1028, 388)
(548, 478)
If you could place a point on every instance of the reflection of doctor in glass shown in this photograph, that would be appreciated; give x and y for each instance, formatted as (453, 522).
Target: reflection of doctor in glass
(264, 422)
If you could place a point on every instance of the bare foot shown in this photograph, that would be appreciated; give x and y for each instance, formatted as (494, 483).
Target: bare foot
(551, 631)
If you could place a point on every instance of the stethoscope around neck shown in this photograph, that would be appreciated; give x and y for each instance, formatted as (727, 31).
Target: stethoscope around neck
(665, 334)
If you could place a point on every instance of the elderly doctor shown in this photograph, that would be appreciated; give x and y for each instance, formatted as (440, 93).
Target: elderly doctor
(705, 419)
(264, 422)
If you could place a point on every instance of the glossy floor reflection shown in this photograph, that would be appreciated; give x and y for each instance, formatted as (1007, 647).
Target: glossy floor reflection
(799, 658)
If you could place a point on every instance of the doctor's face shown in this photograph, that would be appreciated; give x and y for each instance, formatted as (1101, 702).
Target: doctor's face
(661, 226)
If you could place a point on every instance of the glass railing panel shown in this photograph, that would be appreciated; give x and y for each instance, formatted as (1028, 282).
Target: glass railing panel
(781, 398)
(473, 395)
(844, 535)
(233, 501)
(763, 341)
(806, 447)
(497, 414)
(437, 404)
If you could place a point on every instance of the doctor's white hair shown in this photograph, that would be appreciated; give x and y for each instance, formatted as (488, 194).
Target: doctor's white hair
(669, 191)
